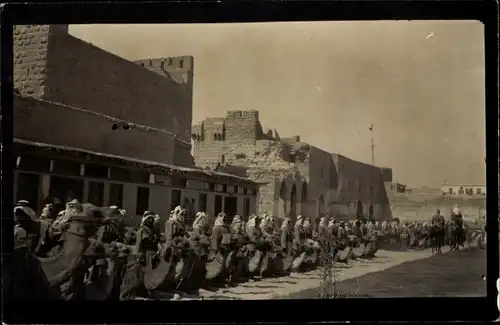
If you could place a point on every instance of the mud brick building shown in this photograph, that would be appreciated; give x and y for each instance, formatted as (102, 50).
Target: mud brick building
(70, 94)
(301, 178)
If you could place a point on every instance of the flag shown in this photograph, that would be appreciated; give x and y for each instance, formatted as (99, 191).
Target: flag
(371, 127)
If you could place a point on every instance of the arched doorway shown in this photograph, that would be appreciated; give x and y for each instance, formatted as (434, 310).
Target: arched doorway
(320, 206)
(359, 210)
(304, 200)
(282, 200)
(293, 202)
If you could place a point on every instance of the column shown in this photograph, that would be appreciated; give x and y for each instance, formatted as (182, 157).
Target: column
(85, 197)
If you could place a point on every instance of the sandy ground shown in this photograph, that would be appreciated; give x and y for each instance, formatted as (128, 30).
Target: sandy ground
(273, 288)
(455, 274)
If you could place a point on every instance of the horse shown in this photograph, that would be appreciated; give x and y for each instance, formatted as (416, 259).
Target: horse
(456, 236)
(437, 235)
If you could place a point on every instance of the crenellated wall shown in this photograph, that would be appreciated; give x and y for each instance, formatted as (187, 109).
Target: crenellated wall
(53, 65)
(179, 69)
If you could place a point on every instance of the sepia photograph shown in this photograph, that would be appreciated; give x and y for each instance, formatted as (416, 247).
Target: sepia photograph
(250, 161)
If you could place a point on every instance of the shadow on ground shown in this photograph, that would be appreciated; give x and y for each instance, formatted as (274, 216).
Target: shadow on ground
(451, 274)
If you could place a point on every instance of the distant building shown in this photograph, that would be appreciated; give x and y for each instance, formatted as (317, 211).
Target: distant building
(395, 187)
(463, 190)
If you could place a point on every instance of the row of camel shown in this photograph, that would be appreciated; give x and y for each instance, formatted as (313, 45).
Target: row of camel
(87, 253)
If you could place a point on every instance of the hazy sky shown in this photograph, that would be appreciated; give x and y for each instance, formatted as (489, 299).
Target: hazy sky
(420, 82)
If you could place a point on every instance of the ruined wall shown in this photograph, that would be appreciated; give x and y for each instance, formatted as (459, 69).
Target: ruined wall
(56, 66)
(265, 161)
(59, 125)
(332, 182)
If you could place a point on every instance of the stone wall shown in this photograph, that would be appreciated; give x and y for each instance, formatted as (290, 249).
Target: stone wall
(39, 121)
(322, 182)
(386, 174)
(51, 64)
(179, 69)
(30, 58)
(361, 182)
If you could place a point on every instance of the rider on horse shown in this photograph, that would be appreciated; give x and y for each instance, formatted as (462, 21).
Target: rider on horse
(457, 217)
(438, 220)
(438, 225)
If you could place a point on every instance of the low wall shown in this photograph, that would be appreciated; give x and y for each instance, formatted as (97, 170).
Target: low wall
(426, 211)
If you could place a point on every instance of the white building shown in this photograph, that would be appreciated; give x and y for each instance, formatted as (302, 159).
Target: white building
(463, 190)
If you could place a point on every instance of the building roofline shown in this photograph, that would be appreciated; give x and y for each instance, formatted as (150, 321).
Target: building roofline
(447, 185)
(145, 163)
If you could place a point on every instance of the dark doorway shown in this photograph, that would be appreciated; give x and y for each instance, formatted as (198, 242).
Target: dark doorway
(189, 216)
(370, 211)
(359, 210)
(321, 207)
(246, 207)
(193, 206)
(304, 200)
(283, 197)
(293, 202)
(175, 199)
(218, 205)
(28, 186)
(66, 189)
(231, 206)
(116, 195)
(142, 202)
(202, 203)
(96, 193)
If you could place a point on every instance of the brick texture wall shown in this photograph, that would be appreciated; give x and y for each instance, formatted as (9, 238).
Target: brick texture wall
(242, 125)
(51, 64)
(54, 124)
(30, 58)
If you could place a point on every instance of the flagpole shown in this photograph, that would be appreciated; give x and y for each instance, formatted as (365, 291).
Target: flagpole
(372, 145)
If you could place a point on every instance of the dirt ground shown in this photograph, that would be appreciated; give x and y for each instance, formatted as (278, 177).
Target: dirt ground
(456, 274)
(276, 288)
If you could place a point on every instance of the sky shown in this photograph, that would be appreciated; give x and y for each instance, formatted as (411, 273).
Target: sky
(421, 84)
